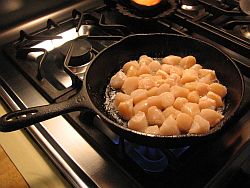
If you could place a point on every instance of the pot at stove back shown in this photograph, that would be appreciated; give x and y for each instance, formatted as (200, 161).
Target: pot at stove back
(245, 6)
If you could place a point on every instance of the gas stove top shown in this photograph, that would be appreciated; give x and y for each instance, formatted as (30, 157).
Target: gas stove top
(39, 66)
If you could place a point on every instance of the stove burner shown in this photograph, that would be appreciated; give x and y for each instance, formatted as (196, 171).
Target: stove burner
(81, 54)
(243, 30)
(189, 5)
(166, 8)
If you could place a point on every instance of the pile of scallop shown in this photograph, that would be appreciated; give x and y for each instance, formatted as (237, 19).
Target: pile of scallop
(168, 96)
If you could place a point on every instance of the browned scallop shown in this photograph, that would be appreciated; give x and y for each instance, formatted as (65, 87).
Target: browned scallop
(126, 109)
(171, 60)
(130, 64)
(130, 84)
(184, 122)
(212, 116)
(179, 102)
(171, 111)
(187, 62)
(218, 88)
(152, 130)
(193, 96)
(191, 109)
(199, 125)
(121, 97)
(206, 102)
(215, 97)
(138, 95)
(169, 127)
(117, 80)
(138, 122)
(155, 116)
(141, 106)
(179, 91)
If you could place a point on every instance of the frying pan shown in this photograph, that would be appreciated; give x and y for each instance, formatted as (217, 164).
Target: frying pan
(92, 93)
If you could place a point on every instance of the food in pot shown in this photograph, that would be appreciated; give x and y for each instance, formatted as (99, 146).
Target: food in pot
(169, 96)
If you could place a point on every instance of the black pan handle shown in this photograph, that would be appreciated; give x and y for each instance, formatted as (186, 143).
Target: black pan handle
(22, 118)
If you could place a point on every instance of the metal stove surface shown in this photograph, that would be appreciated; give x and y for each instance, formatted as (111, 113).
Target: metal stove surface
(87, 153)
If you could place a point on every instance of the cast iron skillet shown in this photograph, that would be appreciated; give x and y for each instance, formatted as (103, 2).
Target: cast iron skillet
(110, 60)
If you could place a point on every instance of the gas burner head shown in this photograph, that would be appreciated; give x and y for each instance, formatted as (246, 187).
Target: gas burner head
(159, 9)
(243, 30)
(189, 5)
(81, 54)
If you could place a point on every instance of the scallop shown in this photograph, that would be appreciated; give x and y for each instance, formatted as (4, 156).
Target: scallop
(171, 111)
(121, 97)
(130, 64)
(154, 65)
(130, 84)
(167, 99)
(205, 72)
(143, 69)
(152, 92)
(218, 88)
(138, 122)
(189, 75)
(155, 116)
(173, 79)
(176, 70)
(169, 127)
(202, 88)
(117, 80)
(193, 96)
(145, 60)
(125, 109)
(206, 102)
(166, 68)
(163, 88)
(138, 95)
(171, 60)
(184, 122)
(187, 62)
(132, 71)
(179, 102)
(199, 125)
(179, 91)
(146, 83)
(162, 73)
(215, 97)
(152, 130)
(212, 116)
(155, 101)
(141, 106)
(191, 109)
